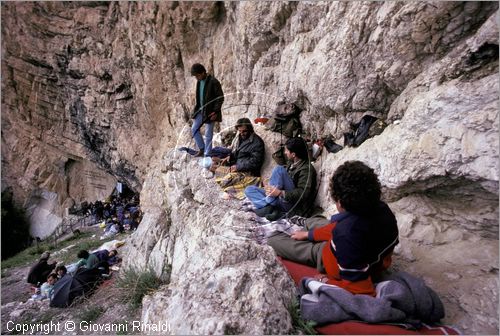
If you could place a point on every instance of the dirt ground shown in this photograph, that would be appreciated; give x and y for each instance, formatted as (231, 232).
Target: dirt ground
(102, 312)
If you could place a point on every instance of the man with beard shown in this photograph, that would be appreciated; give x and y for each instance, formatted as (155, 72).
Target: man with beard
(241, 168)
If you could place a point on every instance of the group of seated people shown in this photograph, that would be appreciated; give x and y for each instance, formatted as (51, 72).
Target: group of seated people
(120, 215)
(348, 250)
(290, 190)
(43, 276)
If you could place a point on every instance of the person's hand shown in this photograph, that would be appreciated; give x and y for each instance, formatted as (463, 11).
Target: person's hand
(299, 235)
(272, 191)
(224, 160)
(233, 169)
(213, 116)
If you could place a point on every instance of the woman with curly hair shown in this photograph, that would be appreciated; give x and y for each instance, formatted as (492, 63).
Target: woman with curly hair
(359, 240)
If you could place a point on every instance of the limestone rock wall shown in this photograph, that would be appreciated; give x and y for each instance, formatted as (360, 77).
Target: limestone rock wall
(107, 84)
(221, 281)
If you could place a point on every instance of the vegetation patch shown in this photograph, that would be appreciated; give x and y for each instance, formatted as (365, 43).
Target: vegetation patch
(123, 327)
(92, 313)
(300, 326)
(134, 285)
(82, 241)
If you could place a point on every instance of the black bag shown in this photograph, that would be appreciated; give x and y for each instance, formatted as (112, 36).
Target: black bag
(361, 131)
(331, 146)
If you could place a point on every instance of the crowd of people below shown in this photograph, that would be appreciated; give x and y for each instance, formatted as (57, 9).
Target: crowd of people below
(117, 214)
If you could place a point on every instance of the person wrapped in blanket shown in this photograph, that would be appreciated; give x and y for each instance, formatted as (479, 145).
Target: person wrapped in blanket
(240, 167)
(359, 240)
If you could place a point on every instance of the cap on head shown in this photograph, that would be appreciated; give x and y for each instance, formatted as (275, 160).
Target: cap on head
(197, 69)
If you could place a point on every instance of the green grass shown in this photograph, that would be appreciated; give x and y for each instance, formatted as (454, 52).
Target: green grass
(87, 244)
(46, 317)
(134, 285)
(300, 326)
(82, 241)
(91, 314)
(124, 327)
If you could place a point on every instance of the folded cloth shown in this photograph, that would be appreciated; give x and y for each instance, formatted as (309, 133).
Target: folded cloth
(234, 183)
(269, 229)
(402, 298)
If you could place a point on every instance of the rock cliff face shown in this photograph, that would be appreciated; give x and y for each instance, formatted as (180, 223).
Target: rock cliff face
(104, 88)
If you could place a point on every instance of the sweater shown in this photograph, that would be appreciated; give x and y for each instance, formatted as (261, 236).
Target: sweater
(358, 247)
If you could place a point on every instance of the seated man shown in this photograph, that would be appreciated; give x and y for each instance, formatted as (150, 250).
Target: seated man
(291, 190)
(243, 162)
(39, 272)
(359, 241)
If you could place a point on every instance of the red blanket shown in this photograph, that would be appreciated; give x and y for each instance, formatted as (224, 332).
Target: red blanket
(298, 271)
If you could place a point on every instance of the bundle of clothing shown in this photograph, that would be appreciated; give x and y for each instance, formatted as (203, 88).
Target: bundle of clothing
(401, 299)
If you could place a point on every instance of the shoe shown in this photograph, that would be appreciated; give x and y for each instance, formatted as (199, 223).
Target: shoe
(262, 212)
(275, 215)
(105, 276)
(201, 153)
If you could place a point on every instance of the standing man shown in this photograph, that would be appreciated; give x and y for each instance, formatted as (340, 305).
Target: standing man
(209, 99)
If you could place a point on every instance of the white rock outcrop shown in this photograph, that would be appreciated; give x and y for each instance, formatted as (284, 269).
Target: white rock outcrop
(107, 85)
(220, 281)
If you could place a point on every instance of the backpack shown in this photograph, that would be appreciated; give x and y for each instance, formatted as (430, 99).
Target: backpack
(286, 120)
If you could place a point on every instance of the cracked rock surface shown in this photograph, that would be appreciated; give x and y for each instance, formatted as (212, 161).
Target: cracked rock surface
(95, 92)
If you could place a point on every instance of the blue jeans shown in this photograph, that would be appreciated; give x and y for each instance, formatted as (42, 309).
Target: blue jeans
(209, 133)
(279, 179)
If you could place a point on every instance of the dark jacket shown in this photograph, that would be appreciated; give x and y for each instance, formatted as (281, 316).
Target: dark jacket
(102, 255)
(302, 197)
(214, 97)
(39, 272)
(359, 246)
(249, 156)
